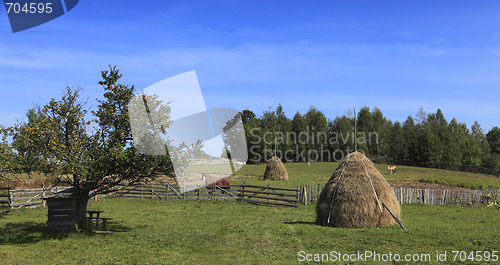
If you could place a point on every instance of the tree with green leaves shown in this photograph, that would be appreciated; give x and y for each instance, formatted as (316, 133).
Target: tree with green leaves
(341, 137)
(409, 142)
(493, 138)
(284, 142)
(253, 135)
(92, 160)
(7, 156)
(247, 115)
(396, 149)
(299, 127)
(269, 126)
(317, 131)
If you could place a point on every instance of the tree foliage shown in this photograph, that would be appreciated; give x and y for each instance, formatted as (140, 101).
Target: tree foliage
(92, 156)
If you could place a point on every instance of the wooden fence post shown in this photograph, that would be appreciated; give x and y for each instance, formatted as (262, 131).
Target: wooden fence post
(141, 190)
(242, 191)
(43, 195)
(305, 194)
(268, 189)
(10, 196)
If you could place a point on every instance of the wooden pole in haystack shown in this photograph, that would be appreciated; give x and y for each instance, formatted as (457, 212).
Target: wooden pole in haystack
(355, 133)
(393, 216)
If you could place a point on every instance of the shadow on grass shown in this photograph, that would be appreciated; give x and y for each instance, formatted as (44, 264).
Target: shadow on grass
(3, 213)
(27, 232)
(117, 227)
(31, 232)
(300, 223)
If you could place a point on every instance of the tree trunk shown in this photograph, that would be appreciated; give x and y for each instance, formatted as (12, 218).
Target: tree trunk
(81, 212)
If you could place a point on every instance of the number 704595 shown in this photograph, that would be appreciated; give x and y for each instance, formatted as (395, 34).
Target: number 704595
(31, 8)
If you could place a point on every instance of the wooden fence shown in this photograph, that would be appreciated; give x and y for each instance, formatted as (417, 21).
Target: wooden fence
(310, 193)
(269, 195)
(19, 198)
(4, 197)
(249, 193)
(172, 192)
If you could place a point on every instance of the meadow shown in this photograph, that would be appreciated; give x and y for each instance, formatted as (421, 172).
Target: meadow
(320, 172)
(228, 232)
(223, 232)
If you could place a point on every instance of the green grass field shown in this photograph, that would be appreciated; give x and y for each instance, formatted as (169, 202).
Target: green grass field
(218, 232)
(320, 172)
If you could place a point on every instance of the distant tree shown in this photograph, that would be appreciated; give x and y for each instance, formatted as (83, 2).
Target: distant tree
(460, 143)
(284, 128)
(254, 138)
(410, 142)
(269, 124)
(247, 115)
(364, 127)
(396, 141)
(299, 127)
(479, 139)
(317, 131)
(234, 137)
(421, 116)
(440, 150)
(493, 137)
(382, 127)
(341, 141)
(492, 160)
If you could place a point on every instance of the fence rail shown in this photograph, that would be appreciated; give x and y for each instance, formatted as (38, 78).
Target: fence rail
(31, 197)
(248, 193)
(172, 192)
(310, 193)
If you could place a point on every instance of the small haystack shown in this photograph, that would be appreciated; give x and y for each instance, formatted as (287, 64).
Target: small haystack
(355, 196)
(275, 170)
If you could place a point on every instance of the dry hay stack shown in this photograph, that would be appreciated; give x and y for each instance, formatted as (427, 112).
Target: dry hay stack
(275, 170)
(353, 186)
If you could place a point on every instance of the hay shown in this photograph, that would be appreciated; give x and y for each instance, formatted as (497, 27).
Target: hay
(275, 170)
(355, 203)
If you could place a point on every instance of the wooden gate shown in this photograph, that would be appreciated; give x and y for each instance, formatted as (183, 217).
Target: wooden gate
(268, 195)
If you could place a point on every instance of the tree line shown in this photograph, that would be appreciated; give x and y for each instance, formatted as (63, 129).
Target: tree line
(427, 140)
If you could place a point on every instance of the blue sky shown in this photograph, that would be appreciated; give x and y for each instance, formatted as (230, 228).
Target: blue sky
(396, 55)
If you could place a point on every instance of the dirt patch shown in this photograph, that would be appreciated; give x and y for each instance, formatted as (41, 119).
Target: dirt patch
(423, 185)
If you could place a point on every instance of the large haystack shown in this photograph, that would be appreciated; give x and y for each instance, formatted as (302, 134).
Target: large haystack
(358, 191)
(275, 170)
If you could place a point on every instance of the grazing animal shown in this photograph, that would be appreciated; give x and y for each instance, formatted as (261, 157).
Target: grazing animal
(240, 163)
(392, 170)
(210, 182)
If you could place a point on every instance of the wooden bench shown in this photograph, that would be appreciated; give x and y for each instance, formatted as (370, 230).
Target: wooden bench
(97, 218)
